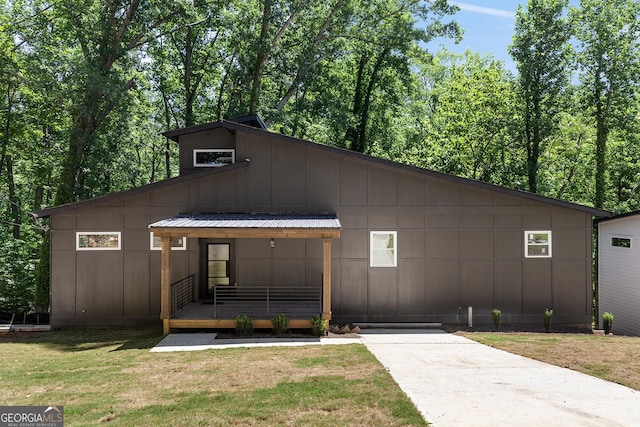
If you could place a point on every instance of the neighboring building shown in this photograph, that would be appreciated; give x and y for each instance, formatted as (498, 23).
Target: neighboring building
(260, 223)
(619, 271)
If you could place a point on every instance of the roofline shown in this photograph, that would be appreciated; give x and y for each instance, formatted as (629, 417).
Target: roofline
(421, 171)
(619, 216)
(175, 134)
(45, 213)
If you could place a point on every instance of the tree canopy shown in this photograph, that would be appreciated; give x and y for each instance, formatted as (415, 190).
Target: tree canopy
(87, 88)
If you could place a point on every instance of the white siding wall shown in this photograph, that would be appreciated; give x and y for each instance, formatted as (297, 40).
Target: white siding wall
(619, 274)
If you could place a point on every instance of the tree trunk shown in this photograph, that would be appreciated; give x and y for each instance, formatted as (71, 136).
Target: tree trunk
(357, 133)
(261, 57)
(351, 135)
(16, 218)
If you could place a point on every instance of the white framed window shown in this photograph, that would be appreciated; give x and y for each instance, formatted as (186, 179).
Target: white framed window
(98, 240)
(621, 241)
(213, 157)
(537, 244)
(177, 243)
(383, 249)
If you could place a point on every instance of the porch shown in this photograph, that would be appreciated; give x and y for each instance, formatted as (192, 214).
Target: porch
(298, 303)
(261, 303)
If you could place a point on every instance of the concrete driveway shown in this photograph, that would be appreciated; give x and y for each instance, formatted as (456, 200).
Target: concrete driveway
(457, 382)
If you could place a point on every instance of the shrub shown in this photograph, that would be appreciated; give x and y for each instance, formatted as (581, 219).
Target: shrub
(548, 314)
(280, 323)
(495, 316)
(244, 325)
(318, 326)
(607, 322)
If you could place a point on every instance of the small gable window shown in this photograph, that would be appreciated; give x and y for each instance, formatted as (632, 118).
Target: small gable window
(621, 242)
(98, 240)
(537, 244)
(207, 158)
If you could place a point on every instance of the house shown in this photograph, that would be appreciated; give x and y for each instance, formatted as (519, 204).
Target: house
(259, 223)
(619, 271)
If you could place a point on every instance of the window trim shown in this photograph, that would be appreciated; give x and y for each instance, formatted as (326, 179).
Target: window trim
(173, 248)
(395, 248)
(208, 150)
(621, 237)
(98, 233)
(527, 244)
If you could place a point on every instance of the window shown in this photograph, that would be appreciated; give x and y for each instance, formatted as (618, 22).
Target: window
(384, 245)
(177, 243)
(537, 244)
(621, 242)
(98, 240)
(207, 158)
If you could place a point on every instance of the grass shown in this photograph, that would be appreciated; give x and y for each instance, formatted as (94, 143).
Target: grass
(613, 358)
(109, 376)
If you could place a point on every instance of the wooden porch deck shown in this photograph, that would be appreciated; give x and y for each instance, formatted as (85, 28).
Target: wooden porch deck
(299, 304)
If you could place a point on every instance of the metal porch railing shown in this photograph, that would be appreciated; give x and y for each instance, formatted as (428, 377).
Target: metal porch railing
(182, 293)
(265, 302)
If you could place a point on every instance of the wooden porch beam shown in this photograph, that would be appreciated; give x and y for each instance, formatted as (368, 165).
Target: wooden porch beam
(238, 233)
(165, 284)
(326, 279)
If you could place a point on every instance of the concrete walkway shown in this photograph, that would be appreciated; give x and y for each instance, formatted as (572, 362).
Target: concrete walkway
(454, 381)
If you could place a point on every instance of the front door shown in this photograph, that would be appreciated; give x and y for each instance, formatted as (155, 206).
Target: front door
(217, 269)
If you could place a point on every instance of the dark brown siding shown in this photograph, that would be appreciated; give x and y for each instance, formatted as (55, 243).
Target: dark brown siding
(458, 245)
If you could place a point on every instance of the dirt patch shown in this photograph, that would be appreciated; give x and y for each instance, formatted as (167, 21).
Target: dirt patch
(521, 327)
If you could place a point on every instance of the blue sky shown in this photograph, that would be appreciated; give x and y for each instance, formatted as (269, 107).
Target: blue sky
(488, 28)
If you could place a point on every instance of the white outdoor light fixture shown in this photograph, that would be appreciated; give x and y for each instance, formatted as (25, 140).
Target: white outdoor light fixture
(272, 243)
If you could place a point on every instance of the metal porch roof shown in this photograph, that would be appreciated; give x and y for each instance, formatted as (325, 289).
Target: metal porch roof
(251, 220)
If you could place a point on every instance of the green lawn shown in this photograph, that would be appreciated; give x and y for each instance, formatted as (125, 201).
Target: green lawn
(109, 376)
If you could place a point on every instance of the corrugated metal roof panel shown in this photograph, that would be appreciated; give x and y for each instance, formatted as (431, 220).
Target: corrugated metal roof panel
(249, 220)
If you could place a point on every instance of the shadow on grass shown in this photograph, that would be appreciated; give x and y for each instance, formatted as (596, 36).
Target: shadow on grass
(74, 340)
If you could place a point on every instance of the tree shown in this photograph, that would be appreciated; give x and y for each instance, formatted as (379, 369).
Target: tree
(470, 130)
(388, 38)
(609, 60)
(107, 33)
(541, 51)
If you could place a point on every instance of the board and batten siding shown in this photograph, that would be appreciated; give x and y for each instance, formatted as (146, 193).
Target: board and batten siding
(459, 243)
(619, 274)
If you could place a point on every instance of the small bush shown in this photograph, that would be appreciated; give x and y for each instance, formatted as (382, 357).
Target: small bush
(244, 325)
(548, 314)
(280, 323)
(607, 322)
(496, 314)
(318, 326)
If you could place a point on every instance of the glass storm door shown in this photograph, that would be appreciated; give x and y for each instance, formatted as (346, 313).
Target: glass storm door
(218, 266)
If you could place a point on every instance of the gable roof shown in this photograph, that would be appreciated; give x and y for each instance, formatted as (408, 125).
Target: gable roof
(234, 126)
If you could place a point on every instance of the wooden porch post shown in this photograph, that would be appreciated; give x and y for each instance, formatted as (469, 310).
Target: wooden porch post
(326, 279)
(165, 284)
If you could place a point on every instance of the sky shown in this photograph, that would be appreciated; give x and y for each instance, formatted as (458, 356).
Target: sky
(488, 28)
